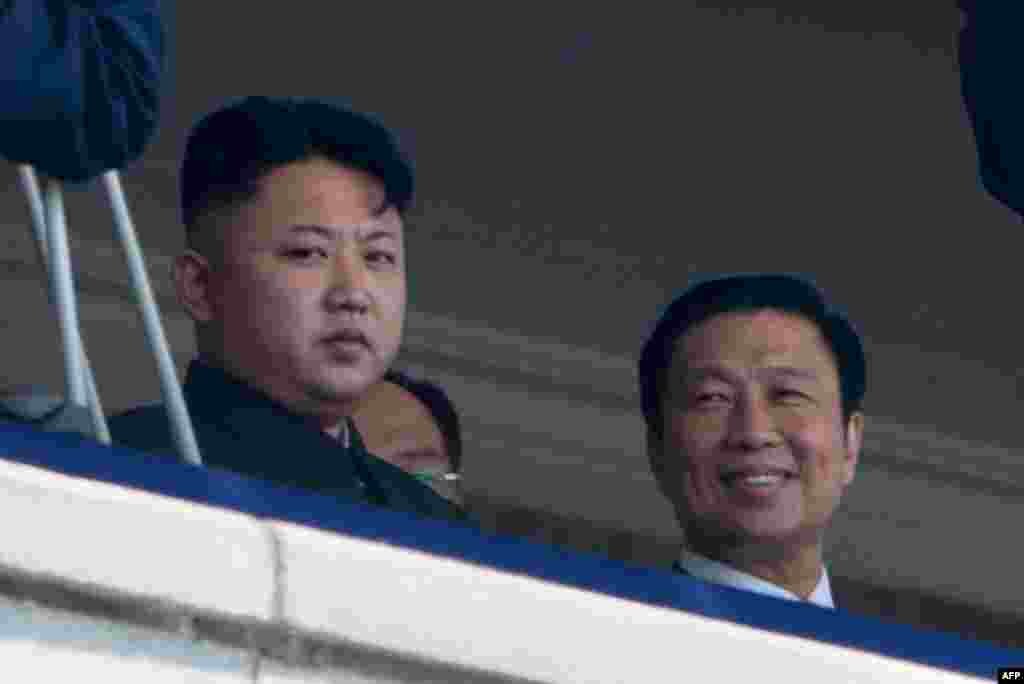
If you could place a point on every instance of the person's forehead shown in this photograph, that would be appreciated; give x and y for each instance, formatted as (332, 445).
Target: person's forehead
(762, 337)
(388, 409)
(317, 192)
(319, 177)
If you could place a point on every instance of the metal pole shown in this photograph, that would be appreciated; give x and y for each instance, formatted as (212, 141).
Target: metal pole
(63, 287)
(30, 185)
(181, 425)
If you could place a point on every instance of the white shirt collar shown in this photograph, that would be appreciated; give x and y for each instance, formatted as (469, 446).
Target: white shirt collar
(709, 570)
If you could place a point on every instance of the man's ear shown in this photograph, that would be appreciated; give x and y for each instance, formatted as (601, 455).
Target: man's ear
(656, 459)
(193, 282)
(854, 441)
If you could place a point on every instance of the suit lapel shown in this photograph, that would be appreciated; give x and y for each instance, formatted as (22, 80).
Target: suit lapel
(257, 437)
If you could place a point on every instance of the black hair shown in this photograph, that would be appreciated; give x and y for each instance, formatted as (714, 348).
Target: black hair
(441, 408)
(749, 292)
(231, 149)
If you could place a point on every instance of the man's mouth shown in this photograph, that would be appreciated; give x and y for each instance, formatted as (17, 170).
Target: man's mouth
(756, 478)
(347, 339)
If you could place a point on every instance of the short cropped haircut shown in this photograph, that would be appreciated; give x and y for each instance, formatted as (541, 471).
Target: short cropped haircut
(231, 149)
(747, 293)
(441, 408)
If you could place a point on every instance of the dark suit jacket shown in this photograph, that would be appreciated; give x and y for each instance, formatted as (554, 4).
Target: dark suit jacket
(991, 55)
(676, 567)
(243, 430)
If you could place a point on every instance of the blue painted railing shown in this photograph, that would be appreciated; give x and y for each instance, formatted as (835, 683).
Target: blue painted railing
(80, 457)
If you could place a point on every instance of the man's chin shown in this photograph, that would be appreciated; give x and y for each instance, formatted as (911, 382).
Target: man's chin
(341, 386)
(733, 533)
(768, 530)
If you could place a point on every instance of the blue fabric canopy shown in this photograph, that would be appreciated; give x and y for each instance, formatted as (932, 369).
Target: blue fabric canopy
(79, 83)
(991, 58)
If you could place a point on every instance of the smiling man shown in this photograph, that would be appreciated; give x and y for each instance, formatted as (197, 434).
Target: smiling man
(294, 274)
(752, 389)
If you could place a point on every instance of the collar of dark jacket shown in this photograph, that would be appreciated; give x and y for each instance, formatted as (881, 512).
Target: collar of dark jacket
(258, 436)
(208, 389)
(291, 448)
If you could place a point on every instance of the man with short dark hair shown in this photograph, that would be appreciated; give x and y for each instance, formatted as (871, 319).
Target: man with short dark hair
(752, 388)
(294, 274)
(413, 424)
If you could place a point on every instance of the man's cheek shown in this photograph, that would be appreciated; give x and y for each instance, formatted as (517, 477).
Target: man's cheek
(815, 442)
(698, 434)
(697, 473)
(299, 280)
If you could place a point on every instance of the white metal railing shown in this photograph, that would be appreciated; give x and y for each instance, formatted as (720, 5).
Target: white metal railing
(49, 223)
(381, 597)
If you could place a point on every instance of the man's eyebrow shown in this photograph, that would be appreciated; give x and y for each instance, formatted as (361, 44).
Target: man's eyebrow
(319, 231)
(702, 373)
(792, 372)
(328, 234)
(380, 234)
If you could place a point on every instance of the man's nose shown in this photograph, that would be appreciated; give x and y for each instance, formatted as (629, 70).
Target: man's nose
(752, 425)
(348, 288)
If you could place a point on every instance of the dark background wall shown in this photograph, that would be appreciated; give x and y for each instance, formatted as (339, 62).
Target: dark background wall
(578, 164)
(625, 150)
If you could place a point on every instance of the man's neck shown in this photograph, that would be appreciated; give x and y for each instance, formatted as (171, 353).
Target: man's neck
(797, 570)
(338, 430)
(334, 424)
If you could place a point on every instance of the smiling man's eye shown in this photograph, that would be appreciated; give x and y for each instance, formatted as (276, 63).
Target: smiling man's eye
(710, 399)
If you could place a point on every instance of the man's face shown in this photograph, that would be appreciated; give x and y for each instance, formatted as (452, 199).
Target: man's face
(755, 446)
(307, 297)
(398, 428)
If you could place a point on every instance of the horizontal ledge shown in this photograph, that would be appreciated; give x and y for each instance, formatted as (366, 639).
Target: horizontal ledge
(396, 566)
(118, 540)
